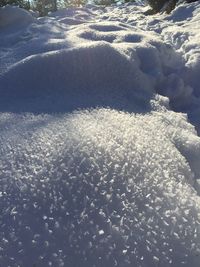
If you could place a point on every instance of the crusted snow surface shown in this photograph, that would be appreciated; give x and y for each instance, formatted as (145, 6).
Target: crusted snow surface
(98, 188)
(95, 169)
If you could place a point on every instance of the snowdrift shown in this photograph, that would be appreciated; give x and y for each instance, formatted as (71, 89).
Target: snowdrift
(14, 17)
(95, 168)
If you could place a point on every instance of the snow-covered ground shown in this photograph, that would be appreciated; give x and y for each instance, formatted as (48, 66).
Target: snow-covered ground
(99, 151)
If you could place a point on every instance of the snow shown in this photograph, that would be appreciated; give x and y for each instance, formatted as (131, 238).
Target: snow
(13, 16)
(99, 151)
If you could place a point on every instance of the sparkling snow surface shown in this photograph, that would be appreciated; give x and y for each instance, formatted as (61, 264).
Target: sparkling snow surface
(95, 168)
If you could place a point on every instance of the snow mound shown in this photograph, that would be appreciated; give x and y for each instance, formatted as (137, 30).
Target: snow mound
(106, 68)
(14, 16)
(98, 187)
(85, 76)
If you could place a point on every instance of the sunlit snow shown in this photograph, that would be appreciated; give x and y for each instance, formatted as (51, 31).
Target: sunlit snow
(99, 152)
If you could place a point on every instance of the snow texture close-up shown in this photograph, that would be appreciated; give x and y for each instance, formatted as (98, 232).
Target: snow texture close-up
(99, 137)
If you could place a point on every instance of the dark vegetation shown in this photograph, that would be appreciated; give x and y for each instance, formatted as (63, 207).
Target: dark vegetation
(21, 3)
(163, 5)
